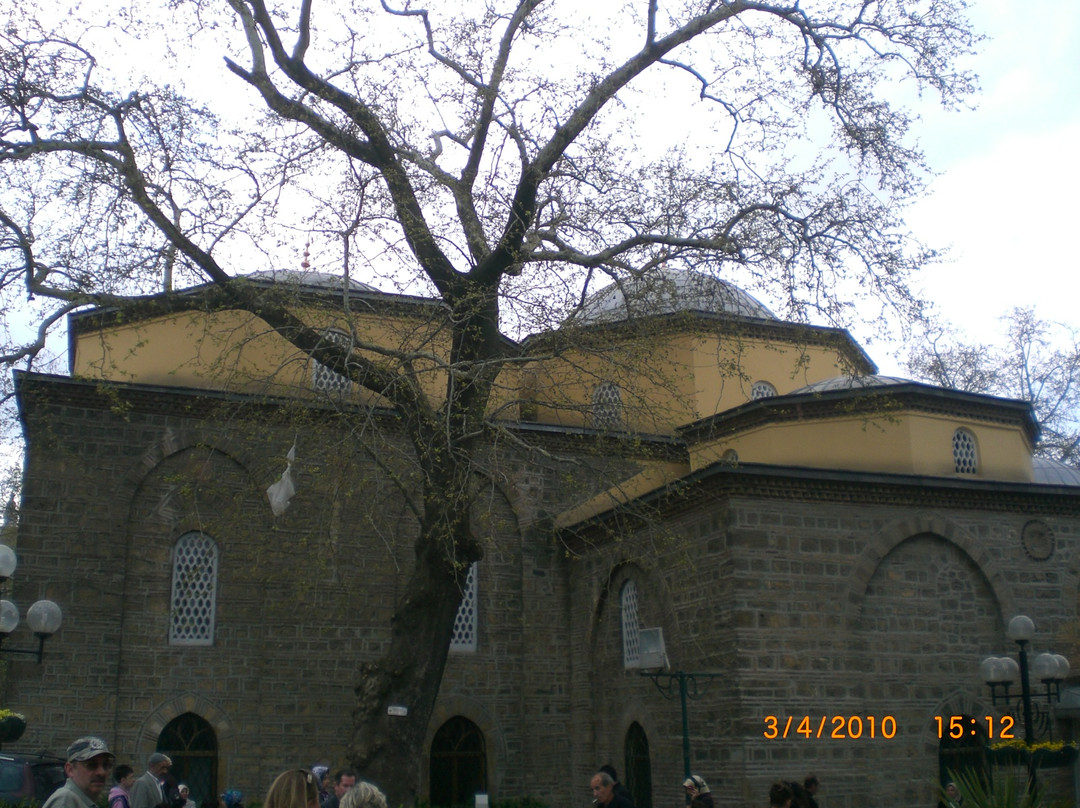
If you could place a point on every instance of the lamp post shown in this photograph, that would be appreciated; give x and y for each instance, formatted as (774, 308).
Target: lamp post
(653, 662)
(665, 682)
(1050, 669)
(43, 618)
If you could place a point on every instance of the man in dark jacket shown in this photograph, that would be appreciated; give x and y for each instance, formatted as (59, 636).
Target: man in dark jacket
(620, 789)
(604, 796)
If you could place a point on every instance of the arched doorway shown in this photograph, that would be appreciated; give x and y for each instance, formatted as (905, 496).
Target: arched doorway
(964, 754)
(192, 744)
(458, 768)
(638, 767)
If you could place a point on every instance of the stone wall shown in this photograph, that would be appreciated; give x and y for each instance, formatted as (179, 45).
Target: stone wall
(819, 596)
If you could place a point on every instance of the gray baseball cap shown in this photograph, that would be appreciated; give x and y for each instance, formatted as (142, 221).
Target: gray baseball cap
(86, 748)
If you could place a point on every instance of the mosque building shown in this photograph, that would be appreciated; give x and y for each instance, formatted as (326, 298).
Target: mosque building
(682, 490)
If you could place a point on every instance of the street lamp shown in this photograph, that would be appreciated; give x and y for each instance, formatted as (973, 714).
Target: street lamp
(43, 618)
(1050, 669)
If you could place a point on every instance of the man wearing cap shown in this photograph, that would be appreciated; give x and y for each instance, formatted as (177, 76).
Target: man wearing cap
(89, 762)
(147, 791)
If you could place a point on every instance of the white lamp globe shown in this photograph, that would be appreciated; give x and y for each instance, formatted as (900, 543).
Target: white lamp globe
(44, 618)
(1021, 629)
(9, 617)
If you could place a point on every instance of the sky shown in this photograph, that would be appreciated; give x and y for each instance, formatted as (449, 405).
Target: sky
(1005, 201)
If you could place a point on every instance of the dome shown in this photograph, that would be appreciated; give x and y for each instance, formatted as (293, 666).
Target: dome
(1054, 472)
(667, 291)
(306, 277)
(850, 383)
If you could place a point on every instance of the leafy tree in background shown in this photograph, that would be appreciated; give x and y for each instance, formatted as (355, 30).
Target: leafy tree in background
(509, 157)
(1030, 364)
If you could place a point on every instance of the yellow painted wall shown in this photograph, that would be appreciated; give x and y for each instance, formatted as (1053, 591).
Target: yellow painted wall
(674, 379)
(236, 351)
(666, 381)
(655, 379)
(901, 443)
(725, 369)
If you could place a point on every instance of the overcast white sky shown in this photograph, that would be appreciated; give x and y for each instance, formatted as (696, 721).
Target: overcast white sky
(1010, 174)
(1007, 199)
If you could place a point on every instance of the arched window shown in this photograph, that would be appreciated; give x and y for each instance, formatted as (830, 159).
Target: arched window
(965, 453)
(192, 744)
(323, 378)
(458, 767)
(631, 629)
(464, 637)
(638, 766)
(762, 390)
(607, 408)
(194, 590)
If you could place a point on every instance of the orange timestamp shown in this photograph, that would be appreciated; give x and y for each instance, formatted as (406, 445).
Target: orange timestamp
(832, 727)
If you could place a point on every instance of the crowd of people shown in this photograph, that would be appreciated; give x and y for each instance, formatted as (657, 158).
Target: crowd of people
(608, 792)
(90, 763)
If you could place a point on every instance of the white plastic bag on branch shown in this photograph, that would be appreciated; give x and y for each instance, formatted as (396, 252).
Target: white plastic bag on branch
(282, 491)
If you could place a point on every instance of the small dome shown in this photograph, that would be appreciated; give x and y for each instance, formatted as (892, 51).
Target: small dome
(306, 277)
(1054, 472)
(667, 291)
(849, 383)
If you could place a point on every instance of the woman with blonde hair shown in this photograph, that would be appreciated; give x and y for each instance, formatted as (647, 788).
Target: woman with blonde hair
(362, 795)
(293, 789)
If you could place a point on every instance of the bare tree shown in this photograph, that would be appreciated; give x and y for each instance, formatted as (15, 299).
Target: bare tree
(1038, 361)
(507, 156)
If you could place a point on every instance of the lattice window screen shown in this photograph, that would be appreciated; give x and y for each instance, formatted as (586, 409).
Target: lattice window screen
(965, 455)
(323, 378)
(762, 390)
(464, 637)
(607, 407)
(194, 590)
(631, 645)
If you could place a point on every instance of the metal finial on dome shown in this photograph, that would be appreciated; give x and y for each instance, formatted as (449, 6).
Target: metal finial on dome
(306, 264)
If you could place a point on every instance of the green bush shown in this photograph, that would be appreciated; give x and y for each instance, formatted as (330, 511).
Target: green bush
(1006, 792)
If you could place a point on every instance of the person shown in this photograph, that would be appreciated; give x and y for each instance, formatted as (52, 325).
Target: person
(88, 765)
(170, 787)
(780, 795)
(185, 795)
(697, 789)
(363, 795)
(231, 798)
(344, 779)
(297, 788)
(120, 795)
(953, 797)
(147, 791)
(811, 785)
(620, 789)
(320, 772)
(604, 796)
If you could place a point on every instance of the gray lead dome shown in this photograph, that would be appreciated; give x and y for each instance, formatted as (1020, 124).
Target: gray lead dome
(668, 291)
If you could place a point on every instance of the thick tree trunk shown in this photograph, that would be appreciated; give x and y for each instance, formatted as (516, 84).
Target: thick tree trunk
(396, 695)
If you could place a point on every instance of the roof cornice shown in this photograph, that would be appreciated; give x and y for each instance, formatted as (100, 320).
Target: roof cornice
(862, 402)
